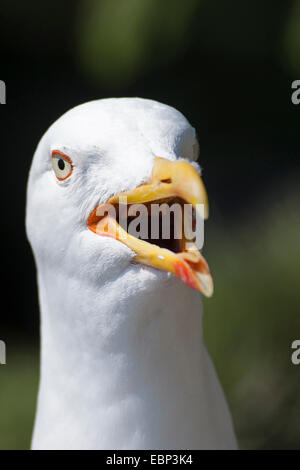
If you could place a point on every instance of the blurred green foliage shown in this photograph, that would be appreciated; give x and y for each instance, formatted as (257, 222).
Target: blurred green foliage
(291, 39)
(253, 318)
(18, 391)
(118, 40)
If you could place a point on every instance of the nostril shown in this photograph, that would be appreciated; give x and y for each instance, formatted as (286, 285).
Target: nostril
(167, 180)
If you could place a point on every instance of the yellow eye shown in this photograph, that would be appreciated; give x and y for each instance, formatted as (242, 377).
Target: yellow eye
(62, 165)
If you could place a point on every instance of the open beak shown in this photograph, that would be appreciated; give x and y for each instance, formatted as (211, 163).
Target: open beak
(170, 182)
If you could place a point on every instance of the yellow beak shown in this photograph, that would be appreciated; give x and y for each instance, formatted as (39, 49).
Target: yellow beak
(169, 181)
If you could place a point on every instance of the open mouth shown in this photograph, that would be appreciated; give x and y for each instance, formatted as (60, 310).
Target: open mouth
(150, 220)
(157, 224)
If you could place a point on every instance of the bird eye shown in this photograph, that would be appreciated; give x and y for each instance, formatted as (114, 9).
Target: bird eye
(62, 165)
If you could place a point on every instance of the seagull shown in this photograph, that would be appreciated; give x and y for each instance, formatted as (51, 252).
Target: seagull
(123, 359)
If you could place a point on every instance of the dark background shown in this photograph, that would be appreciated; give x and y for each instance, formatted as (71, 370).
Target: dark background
(228, 67)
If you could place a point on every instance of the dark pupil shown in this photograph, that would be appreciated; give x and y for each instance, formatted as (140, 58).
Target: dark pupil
(61, 164)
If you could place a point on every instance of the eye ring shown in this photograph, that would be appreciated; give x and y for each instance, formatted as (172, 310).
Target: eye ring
(62, 165)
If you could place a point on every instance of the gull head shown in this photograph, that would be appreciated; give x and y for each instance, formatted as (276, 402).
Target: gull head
(117, 153)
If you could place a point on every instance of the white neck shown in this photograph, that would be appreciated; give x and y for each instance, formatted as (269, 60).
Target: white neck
(126, 372)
